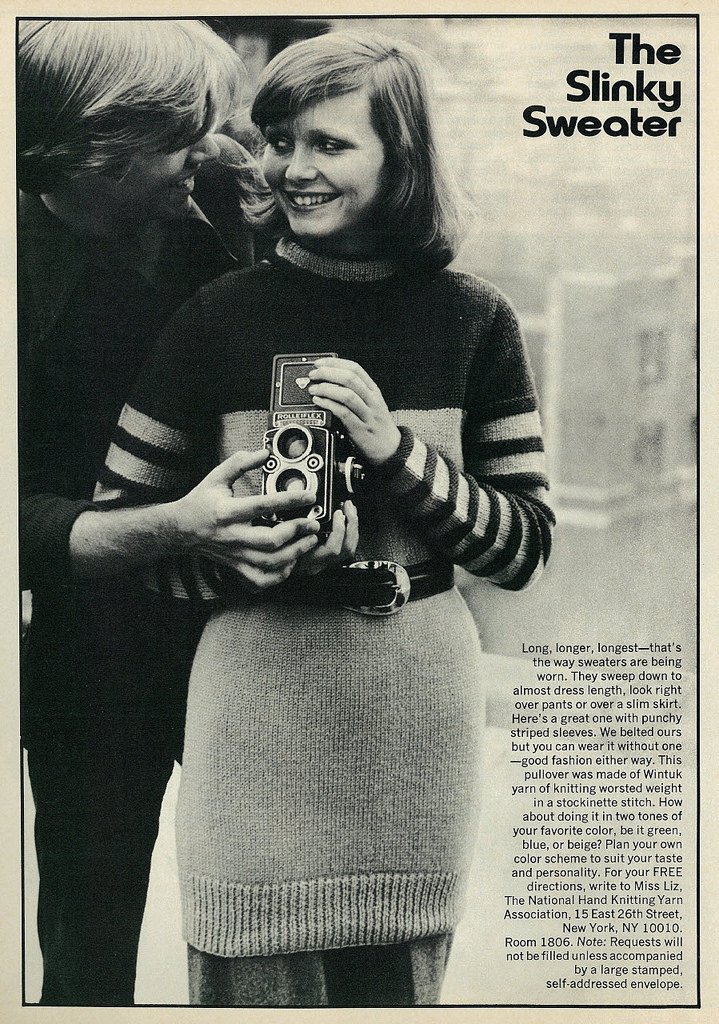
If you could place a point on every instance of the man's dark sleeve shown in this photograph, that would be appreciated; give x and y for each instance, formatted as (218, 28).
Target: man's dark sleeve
(46, 516)
(45, 524)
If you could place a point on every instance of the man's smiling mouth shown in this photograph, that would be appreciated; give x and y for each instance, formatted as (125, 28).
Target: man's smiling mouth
(305, 200)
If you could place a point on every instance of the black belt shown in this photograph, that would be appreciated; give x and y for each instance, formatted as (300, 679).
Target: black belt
(373, 587)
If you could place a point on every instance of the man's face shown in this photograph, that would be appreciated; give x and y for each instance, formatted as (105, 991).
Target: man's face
(155, 186)
(159, 185)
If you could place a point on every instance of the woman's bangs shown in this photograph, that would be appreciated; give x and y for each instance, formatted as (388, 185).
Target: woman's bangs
(303, 82)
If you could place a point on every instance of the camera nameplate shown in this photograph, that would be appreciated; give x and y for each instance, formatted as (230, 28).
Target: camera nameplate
(307, 418)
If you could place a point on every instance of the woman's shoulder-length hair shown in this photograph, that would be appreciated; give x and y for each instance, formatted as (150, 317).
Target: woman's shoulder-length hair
(422, 210)
(91, 93)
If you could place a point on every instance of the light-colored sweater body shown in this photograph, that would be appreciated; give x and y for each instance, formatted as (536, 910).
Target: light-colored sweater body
(330, 781)
(327, 799)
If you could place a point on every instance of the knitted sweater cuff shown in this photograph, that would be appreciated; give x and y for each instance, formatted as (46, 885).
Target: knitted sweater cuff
(387, 474)
(46, 523)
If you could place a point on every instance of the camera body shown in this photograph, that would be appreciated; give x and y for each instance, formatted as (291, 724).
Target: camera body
(308, 448)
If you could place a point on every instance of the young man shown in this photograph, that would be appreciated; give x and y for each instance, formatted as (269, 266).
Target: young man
(127, 207)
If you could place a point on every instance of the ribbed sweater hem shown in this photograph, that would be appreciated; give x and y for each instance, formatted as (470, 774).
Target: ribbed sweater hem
(229, 919)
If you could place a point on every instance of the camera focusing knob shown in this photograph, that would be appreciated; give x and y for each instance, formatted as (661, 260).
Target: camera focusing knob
(352, 472)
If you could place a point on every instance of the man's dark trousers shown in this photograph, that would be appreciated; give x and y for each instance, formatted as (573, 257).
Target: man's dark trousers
(98, 779)
(94, 868)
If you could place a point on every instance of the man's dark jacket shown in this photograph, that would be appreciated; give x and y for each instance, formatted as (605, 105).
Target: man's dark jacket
(88, 314)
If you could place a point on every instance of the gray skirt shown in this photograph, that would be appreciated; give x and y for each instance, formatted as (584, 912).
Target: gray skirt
(400, 974)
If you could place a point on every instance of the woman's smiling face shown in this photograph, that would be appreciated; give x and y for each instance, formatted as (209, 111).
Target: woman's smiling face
(324, 167)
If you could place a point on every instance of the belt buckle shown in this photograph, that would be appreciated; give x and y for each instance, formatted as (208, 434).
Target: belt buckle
(401, 587)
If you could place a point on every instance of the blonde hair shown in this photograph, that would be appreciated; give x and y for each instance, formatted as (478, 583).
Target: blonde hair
(92, 93)
(421, 208)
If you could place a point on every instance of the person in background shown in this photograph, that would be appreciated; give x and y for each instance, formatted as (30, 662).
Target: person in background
(129, 203)
(330, 783)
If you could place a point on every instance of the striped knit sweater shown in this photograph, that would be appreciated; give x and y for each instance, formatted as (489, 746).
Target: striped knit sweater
(330, 778)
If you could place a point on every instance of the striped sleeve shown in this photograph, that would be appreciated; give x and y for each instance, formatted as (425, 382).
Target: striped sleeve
(150, 462)
(491, 518)
(162, 447)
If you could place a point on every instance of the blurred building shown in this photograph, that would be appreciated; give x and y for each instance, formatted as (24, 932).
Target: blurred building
(618, 372)
(593, 240)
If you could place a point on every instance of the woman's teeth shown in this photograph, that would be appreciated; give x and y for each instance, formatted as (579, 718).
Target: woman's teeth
(311, 199)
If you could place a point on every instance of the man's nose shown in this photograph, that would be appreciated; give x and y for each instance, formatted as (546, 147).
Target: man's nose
(204, 149)
(302, 166)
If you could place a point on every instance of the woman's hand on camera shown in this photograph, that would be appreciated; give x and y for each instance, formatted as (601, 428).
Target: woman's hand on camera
(213, 521)
(349, 393)
(338, 548)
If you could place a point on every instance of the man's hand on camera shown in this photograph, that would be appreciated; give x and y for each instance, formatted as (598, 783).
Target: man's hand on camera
(212, 521)
(338, 548)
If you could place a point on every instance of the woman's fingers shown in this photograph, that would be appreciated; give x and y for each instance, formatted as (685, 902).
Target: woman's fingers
(343, 396)
(353, 423)
(339, 545)
(328, 552)
(333, 545)
(351, 537)
(341, 371)
(357, 382)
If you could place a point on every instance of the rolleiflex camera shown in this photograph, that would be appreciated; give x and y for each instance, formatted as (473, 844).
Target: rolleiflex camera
(308, 449)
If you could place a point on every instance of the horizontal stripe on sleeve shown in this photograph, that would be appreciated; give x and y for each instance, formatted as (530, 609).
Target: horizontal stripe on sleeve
(152, 432)
(492, 532)
(506, 428)
(135, 470)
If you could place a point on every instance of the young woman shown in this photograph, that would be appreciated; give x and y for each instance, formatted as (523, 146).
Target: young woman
(330, 783)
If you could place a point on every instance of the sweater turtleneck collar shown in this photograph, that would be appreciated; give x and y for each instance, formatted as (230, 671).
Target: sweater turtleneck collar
(359, 271)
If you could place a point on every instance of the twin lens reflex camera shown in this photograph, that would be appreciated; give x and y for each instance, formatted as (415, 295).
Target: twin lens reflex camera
(308, 447)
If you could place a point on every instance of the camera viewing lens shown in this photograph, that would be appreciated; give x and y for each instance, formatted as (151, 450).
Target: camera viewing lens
(291, 480)
(292, 442)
